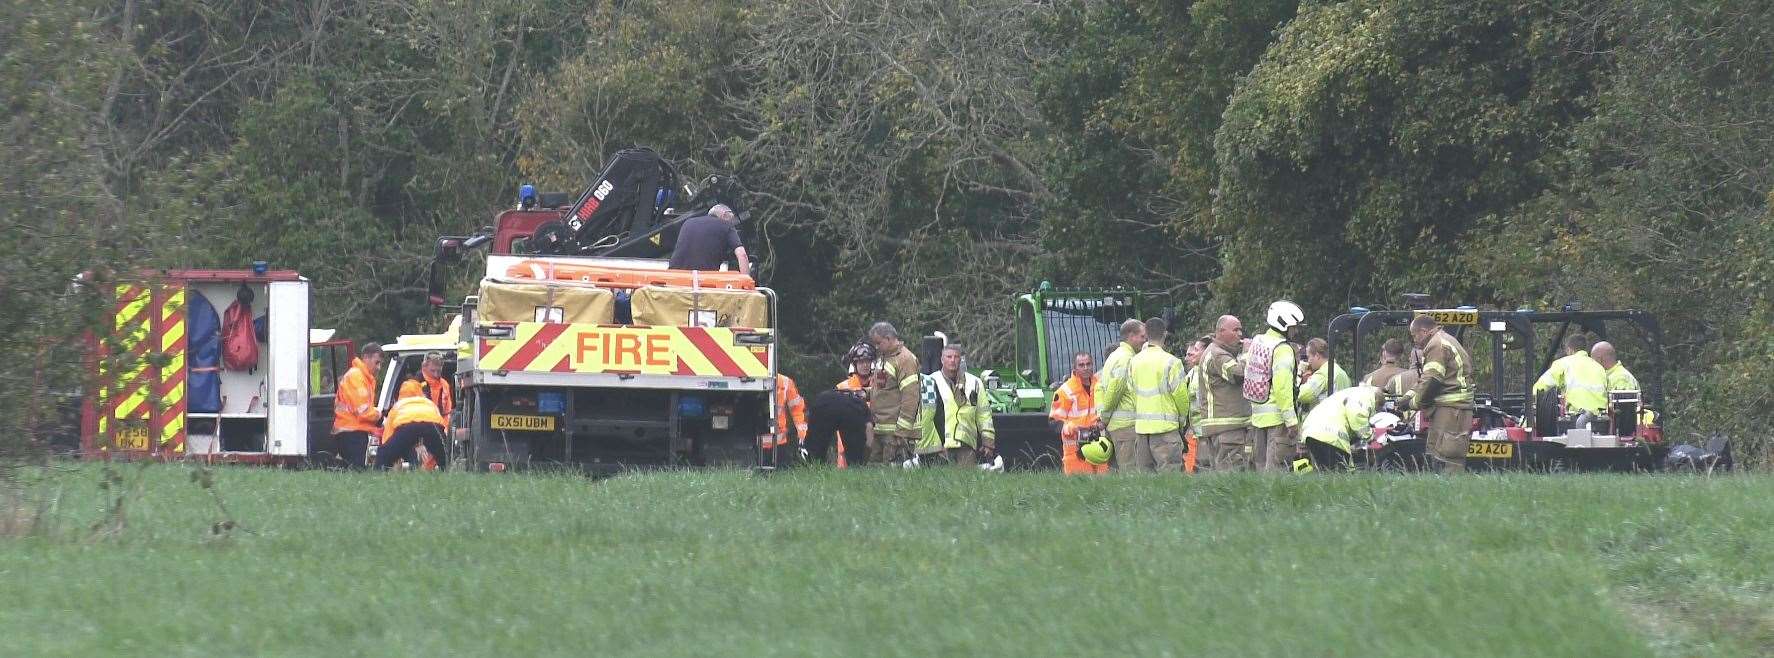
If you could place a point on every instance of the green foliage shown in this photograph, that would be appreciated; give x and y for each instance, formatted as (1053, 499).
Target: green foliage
(1663, 202)
(922, 161)
(1373, 135)
(1134, 105)
(651, 73)
(65, 208)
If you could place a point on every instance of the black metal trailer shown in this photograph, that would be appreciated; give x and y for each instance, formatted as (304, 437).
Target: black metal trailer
(1507, 334)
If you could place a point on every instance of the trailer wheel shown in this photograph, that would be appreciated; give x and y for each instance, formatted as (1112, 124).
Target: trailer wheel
(1395, 464)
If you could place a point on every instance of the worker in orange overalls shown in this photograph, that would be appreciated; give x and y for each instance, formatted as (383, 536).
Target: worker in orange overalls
(413, 421)
(438, 390)
(356, 419)
(1074, 410)
(789, 405)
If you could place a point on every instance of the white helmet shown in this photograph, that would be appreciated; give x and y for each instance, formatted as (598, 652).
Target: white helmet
(1284, 314)
(1383, 420)
(994, 466)
(1382, 424)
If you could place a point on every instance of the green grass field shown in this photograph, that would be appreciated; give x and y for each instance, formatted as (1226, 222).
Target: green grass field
(823, 563)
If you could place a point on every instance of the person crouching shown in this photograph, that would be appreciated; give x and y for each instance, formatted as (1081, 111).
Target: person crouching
(413, 421)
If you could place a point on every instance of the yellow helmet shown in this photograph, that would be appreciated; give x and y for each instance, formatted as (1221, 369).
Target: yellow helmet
(1097, 451)
(1303, 465)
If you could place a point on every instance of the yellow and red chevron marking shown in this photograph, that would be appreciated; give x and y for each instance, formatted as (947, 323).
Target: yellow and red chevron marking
(167, 424)
(130, 364)
(144, 370)
(591, 348)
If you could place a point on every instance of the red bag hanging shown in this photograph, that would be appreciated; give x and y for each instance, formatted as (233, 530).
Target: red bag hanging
(240, 344)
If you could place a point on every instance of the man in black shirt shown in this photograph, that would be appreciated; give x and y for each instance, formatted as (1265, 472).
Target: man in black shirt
(705, 240)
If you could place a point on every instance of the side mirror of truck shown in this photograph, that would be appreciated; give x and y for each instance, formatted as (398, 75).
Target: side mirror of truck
(450, 250)
(434, 288)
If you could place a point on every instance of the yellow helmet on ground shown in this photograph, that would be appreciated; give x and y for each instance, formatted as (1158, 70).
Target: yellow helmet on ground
(1097, 451)
(1303, 465)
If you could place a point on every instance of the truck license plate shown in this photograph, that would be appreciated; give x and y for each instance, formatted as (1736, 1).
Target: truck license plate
(1453, 317)
(1489, 450)
(523, 423)
(132, 437)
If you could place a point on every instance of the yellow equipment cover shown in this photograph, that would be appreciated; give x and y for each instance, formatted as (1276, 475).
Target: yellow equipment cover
(557, 301)
(672, 307)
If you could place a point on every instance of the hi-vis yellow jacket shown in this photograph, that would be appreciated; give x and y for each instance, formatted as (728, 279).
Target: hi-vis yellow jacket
(951, 418)
(1160, 392)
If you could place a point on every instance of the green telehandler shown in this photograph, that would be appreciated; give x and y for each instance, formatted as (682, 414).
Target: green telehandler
(1051, 326)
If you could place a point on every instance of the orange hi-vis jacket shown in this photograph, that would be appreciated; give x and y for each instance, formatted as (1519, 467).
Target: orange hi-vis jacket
(354, 404)
(1074, 407)
(413, 407)
(789, 403)
(441, 396)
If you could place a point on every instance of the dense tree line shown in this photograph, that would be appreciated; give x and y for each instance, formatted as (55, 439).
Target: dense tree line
(922, 161)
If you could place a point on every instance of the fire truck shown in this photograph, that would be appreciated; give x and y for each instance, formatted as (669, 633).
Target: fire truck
(158, 388)
(579, 348)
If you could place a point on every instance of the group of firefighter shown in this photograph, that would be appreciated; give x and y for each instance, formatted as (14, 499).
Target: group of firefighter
(886, 411)
(1231, 403)
(410, 434)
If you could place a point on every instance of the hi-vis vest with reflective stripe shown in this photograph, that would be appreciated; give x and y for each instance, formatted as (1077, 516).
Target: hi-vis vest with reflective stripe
(354, 403)
(1160, 392)
(1279, 408)
(1074, 407)
(789, 405)
(948, 422)
(1584, 380)
(1320, 383)
(1342, 417)
(1114, 400)
(417, 409)
(1621, 379)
